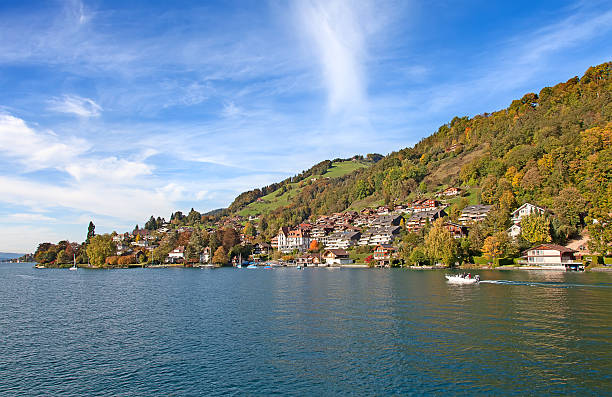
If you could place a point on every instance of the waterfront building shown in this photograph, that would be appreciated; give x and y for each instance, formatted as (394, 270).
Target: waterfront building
(336, 257)
(551, 256)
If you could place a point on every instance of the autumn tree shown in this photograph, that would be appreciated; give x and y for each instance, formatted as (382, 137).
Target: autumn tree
(535, 228)
(440, 244)
(220, 257)
(569, 205)
(99, 248)
(494, 246)
(151, 224)
(196, 245)
(362, 189)
(314, 246)
(249, 230)
(63, 257)
(600, 232)
(230, 238)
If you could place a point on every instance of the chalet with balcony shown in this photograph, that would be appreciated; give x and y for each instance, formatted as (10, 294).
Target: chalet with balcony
(525, 210)
(336, 257)
(456, 230)
(343, 240)
(551, 256)
(474, 213)
(418, 220)
(383, 254)
(177, 255)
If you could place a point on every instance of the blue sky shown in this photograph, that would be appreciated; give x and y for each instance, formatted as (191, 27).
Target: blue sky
(113, 111)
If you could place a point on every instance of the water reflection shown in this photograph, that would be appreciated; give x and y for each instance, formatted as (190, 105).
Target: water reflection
(315, 331)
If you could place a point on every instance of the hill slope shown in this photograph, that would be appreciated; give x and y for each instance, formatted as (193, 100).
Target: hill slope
(284, 195)
(544, 148)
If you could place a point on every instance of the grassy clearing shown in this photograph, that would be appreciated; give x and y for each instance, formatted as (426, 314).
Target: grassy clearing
(272, 201)
(342, 168)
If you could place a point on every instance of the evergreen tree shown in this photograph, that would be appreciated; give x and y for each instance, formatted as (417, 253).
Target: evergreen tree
(91, 231)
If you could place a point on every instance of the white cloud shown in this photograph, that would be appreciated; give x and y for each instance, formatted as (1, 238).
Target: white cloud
(37, 150)
(109, 169)
(119, 202)
(74, 104)
(25, 239)
(30, 217)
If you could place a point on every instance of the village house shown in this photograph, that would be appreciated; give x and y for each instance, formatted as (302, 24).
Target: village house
(424, 205)
(343, 240)
(261, 249)
(387, 220)
(289, 240)
(514, 231)
(383, 254)
(418, 220)
(383, 210)
(205, 255)
(383, 235)
(336, 257)
(307, 260)
(450, 192)
(524, 210)
(551, 256)
(177, 255)
(321, 233)
(474, 213)
(140, 243)
(456, 230)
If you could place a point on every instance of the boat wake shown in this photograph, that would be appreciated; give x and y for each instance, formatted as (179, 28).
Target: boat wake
(547, 284)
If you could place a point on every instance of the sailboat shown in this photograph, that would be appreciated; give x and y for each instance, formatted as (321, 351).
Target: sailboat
(74, 266)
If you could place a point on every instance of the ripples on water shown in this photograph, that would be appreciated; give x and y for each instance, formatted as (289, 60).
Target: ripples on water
(310, 332)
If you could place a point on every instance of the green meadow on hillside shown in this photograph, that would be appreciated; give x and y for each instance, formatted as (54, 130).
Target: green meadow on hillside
(282, 196)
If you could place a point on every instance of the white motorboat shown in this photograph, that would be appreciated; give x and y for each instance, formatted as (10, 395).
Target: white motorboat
(459, 279)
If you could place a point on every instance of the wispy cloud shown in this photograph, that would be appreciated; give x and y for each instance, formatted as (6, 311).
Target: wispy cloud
(231, 110)
(339, 39)
(74, 104)
(37, 150)
(30, 217)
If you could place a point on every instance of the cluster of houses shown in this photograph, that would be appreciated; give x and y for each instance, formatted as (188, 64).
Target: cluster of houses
(373, 227)
(379, 227)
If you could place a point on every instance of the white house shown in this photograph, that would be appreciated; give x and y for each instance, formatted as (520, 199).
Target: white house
(289, 240)
(514, 231)
(343, 239)
(550, 256)
(524, 210)
(205, 255)
(384, 235)
(474, 213)
(176, 254)
(336, 257)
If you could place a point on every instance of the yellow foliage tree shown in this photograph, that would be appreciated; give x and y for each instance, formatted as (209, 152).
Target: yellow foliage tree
(220, 256)
(495, 246)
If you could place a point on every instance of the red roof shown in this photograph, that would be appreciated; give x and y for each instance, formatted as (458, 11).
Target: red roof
(555, 247)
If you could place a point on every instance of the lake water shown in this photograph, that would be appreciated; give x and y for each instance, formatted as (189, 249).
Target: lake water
(309, 332)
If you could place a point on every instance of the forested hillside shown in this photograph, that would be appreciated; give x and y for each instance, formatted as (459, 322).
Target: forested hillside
(553, 149)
